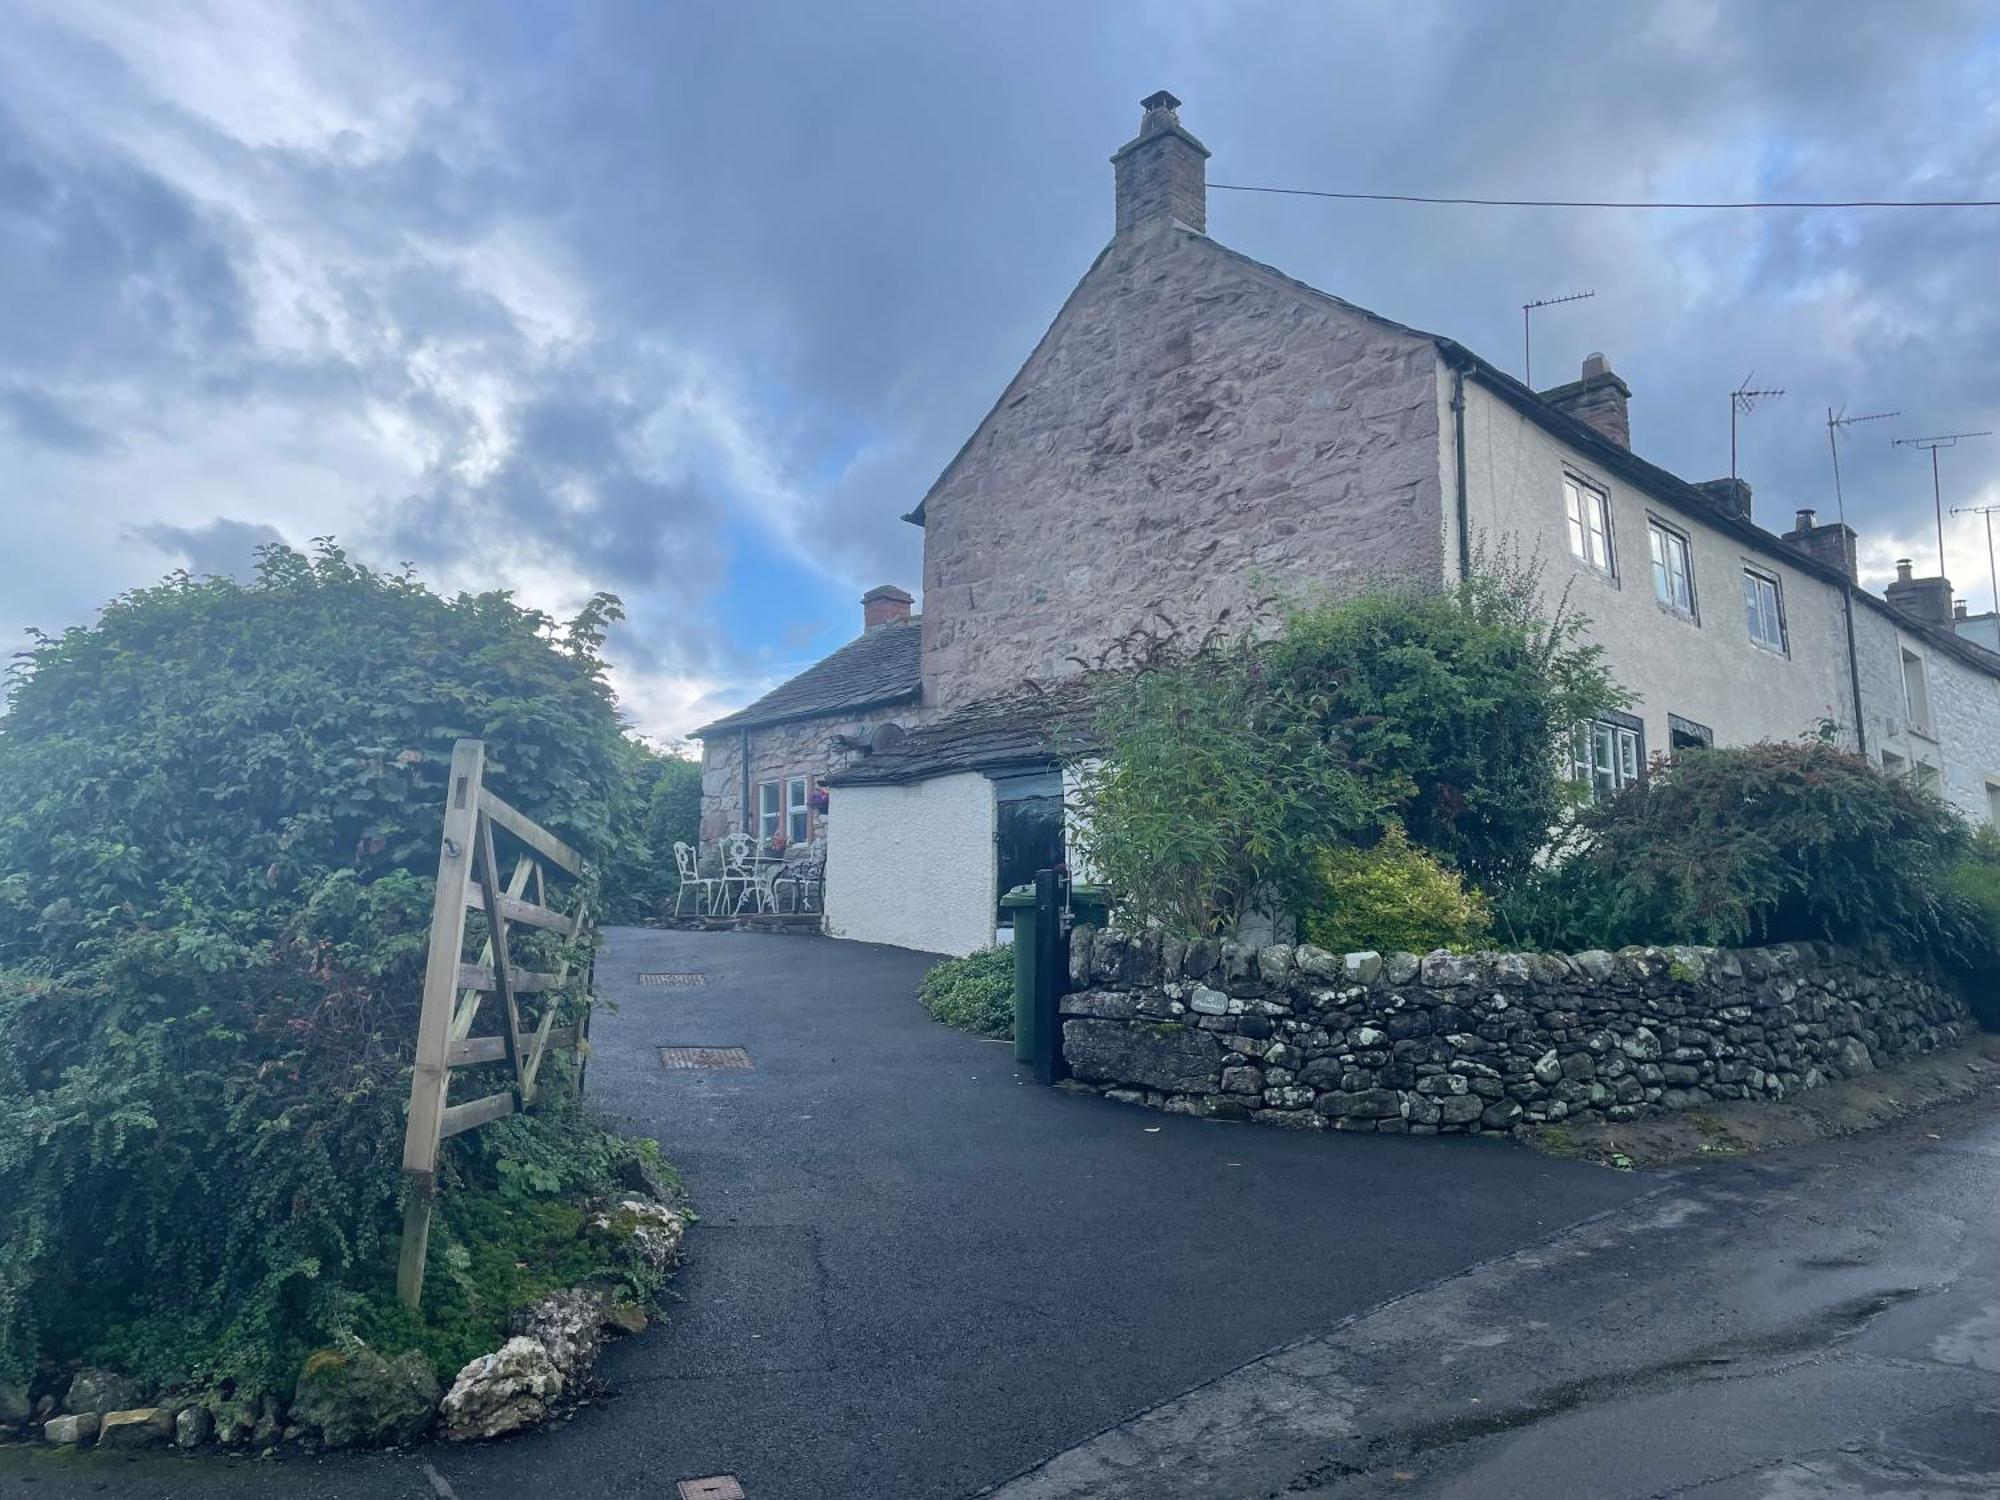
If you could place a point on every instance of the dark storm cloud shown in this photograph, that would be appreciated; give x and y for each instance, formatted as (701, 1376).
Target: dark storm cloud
(223, 547)
(626, 282)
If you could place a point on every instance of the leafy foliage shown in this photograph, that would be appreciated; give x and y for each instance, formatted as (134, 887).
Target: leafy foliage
(1975, 882)
(219, 814)
(1222, 770)
(1764, 843)
(1393, 898)
(974, 993)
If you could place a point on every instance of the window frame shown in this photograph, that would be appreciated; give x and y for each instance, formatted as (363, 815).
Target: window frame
(1701, 734)
(1752, 574)
(1576, 529)
(1622, 730)
(1923, 723)
(801, 830)
(1660, 532)
(765, 819)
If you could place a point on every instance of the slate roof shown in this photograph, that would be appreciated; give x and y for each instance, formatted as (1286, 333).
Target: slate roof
(877, 668)
(994, 734)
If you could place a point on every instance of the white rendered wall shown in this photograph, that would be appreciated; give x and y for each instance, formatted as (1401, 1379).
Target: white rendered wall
(1962, 741)
(914, 865)
(1707, 669)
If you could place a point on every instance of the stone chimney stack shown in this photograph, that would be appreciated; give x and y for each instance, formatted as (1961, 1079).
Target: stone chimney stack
(883, 604)
(1831, 544)
(1162, 172)
(1598, 400)
(1730, 496)
(1922, 598)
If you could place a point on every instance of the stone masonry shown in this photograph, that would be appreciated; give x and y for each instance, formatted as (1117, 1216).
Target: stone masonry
(1480, 1042)
(802, 747)
(1194, 432)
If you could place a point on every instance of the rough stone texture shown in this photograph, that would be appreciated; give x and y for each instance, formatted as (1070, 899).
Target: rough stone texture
(654, 1230)
(14, 1407)
(78, 1427)
(100, 1391)
(568, 1324)
(1192, 429)
(142, 1427)
(502, 1392)
(804, 747)
(354, 1396)
(1484, 1041)
(193, 1426)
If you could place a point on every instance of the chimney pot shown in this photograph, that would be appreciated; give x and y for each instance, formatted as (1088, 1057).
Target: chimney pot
(1161, 174)
(1958, 609)
(1904, 569)
(1832, 544)
(1924, 598)
(883, 604)
(1806, 519)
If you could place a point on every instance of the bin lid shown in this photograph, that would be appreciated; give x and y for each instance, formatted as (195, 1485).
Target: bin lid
(1021, 895)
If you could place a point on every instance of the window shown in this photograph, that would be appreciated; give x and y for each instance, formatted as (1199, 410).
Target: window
(1929, 779)
(1685, 734)
(1894, 766)
(1993, 803)
(1673, 568)
(1916, 692)
(1765, 606)
(798, 814)
(1608, 753)
(770, 817)
(1589, 523)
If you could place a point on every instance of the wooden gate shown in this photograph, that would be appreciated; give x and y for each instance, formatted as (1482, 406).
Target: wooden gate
(454, 990)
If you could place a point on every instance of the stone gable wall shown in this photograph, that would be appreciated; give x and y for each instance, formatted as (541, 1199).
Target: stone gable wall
(1481, 1042)
(803, 747)
(1193, 432)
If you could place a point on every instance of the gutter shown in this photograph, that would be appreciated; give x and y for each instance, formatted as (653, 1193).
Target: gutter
(1458, 461)
(745, 757)
(1854, 669)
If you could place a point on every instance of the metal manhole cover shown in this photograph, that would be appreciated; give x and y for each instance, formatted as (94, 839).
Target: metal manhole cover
(675, 981)
(721, 1487)
(704, 1057)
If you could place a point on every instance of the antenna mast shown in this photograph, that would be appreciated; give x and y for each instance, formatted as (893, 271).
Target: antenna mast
(1834, 422)
(1944, 440)
(1527, 342)
(1743, 399)
(1992, 568)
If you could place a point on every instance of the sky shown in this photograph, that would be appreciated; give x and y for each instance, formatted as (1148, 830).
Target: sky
(691, 303)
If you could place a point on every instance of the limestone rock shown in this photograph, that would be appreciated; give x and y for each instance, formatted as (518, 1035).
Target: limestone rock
(1173, 1059)
(624, 1317)
(192, 1426)
(100, 1391)
(502, 1392)
(1364, 967)
(14, 1407)
(141, 1427)
(354, 1396)
(569, 1325)
(653, 1230)
(77, 1427)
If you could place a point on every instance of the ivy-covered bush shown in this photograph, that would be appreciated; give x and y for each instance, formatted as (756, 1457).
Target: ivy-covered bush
(1759, 844)
(1393, 898)
(1975, 882)
(220, 808)
(974, 993)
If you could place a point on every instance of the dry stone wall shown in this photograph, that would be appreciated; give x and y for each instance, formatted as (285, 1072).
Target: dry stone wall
(1481, 1042)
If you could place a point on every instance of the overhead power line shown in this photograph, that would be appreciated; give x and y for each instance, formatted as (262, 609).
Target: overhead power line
(1239, 187)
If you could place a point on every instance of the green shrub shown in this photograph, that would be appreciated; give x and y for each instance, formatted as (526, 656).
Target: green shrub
(220, 808)
(1393, 898)
(974, 993)
(1764, 843)
(1975, 882)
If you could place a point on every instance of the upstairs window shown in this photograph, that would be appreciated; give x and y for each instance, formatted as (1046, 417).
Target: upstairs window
(1607, 754)
(1916, 692)
(1589, 524)
(1673, 568)
(1764, 606)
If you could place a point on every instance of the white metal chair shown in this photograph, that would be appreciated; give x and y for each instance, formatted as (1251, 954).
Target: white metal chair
(703, 886)
(806, 877)
(738, 871)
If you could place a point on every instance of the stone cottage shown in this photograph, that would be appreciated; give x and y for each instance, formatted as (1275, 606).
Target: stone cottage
(1196, 430)
(762, 766)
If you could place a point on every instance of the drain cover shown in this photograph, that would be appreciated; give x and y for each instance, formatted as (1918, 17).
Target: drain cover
(704, 1057)
(675, 981)
(720, 1487)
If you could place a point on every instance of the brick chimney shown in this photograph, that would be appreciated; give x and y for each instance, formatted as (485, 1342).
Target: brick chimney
(1922, 598)
(1162, 172)
(1597, 400)
(1730, 496)
(883, 604)
(1831, 544)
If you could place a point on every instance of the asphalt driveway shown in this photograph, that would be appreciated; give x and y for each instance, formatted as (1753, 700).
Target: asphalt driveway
(917, 1274)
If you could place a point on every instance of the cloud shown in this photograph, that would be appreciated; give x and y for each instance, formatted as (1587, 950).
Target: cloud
(223, 547)
(692, 303)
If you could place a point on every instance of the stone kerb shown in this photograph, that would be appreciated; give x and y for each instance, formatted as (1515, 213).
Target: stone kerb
(1469, 1042)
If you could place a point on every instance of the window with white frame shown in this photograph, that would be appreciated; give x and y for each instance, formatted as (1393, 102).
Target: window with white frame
(1589, 513)
(1608, 753)
(1993, 802)
(1673, 567)
(1764, 605)
(798, 813)
(1916, 692)
(770, 810)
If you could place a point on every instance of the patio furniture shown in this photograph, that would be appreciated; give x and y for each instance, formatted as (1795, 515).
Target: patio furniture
(738, 872)
(704, 887)
(765, 869)
(806, 878)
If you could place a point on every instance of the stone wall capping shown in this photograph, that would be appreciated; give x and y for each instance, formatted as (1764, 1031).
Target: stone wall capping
(1302, 1038)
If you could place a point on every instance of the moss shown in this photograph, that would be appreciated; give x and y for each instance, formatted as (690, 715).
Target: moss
(1683, 972)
